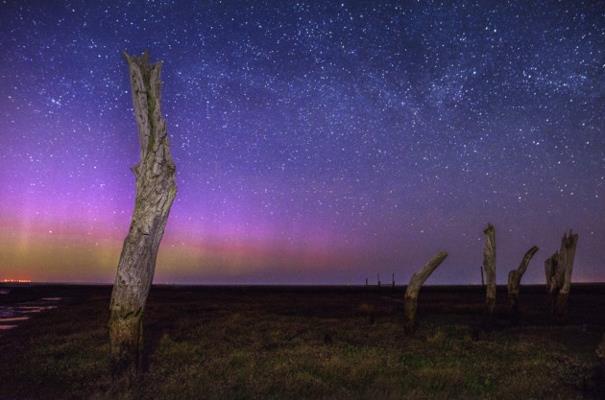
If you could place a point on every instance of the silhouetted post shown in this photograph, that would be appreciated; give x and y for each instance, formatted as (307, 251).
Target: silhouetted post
(155, 192)
(482, 278)
(393, 280)
(514, 279)
(378, 279)
(567, 253)
(366, 282)
(413, 288)
(489, 264)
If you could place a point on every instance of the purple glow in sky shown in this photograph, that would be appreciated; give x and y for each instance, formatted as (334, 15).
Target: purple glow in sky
(315, 142)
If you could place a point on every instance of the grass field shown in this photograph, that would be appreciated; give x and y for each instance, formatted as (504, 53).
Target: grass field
(307, 343)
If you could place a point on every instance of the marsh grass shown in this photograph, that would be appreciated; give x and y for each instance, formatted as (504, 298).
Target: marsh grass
(289, 344)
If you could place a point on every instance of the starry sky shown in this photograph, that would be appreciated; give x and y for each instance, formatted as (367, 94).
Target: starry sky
(315, 142)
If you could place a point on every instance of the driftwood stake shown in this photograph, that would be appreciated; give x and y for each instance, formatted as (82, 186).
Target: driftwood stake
(514, 279)
(489, 265)
(411, 292)
(155, 192)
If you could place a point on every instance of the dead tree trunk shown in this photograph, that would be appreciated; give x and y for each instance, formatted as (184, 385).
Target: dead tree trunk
(514, 279)
(155, 192)
(413, 288)
(489, 265)
(567, 253)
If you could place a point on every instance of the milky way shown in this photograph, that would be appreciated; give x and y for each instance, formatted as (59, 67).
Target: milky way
(319, 142)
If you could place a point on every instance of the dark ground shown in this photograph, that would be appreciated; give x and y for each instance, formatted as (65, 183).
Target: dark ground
(310, 342)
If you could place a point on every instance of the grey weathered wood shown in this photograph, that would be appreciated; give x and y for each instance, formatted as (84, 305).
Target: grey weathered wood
(489, 265)
(413, 288)
(155, 192)
(514, 279)
(567, 254)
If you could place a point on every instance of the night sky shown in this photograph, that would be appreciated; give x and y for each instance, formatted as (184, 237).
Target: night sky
(315, 142)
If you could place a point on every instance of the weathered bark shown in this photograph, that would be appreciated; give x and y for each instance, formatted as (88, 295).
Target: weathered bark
(489, 265)
(155, 192)
(567, 253)
(413, 288)
(514, 279)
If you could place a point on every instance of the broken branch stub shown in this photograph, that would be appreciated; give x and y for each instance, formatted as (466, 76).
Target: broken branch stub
(413, 288)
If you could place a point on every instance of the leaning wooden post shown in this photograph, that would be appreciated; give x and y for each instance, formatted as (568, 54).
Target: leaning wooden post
(155, 192)
(514, 279)
(411, 292)
(489, 265)
(567, 254)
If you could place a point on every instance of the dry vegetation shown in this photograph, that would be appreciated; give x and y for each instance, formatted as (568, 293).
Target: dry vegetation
(336, 343)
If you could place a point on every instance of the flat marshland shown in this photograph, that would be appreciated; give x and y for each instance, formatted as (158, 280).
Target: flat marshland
(309, 343)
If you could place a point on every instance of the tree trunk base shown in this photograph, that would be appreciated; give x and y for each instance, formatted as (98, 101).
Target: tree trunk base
(126, 347)
(490, 304)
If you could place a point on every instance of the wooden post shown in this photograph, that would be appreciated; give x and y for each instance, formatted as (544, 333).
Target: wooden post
(567, 254)
(558, 269)
(489, 265)
(482, 277)
(514, 279)
(155, 192)
(413, 288)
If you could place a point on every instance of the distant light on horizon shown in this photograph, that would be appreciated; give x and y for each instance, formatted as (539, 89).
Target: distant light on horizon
(10, 280)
